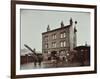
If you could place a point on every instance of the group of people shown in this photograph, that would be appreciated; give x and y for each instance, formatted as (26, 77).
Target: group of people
(38, 60)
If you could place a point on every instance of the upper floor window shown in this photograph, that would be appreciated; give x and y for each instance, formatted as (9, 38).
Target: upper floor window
(46, 45)
(63, 44)
(54, 36)
(54, 44)
(46, 38)
(63, 35)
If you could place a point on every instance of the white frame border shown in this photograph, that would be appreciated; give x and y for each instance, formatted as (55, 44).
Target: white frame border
(51, 70)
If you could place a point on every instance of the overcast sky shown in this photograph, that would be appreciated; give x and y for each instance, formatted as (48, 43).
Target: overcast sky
(34, 22)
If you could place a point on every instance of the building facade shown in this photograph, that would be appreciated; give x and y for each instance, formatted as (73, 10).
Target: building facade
(59, 41)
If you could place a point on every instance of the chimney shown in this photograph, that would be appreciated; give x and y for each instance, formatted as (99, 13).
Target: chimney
(86, 43)
(62, 24)
(71, 21)
(48, 28)
(75, 30)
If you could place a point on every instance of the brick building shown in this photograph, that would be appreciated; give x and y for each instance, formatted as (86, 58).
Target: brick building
(59, 41)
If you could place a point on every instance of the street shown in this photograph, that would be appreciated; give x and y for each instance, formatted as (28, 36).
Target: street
(48, 64)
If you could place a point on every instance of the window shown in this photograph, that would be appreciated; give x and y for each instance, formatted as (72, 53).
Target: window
(63, 35)
(63, 43)
(54, 44)
(46, 38)
(54, 36)
(46, 45)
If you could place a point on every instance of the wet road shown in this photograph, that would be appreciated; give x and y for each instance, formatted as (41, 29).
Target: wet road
(48, 64)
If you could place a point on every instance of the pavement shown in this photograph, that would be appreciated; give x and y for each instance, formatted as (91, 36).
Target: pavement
(48, 64)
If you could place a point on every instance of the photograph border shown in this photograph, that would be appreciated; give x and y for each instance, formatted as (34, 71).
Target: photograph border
(13, 38)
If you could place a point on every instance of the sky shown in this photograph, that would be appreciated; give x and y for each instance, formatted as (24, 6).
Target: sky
(35, 22)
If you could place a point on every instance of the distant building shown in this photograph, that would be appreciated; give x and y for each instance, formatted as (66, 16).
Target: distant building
(83, 54)
(27, 56)
(59, 41)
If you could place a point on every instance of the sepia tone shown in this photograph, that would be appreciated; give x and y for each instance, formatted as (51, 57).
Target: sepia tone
(59, 49)
(59, 41)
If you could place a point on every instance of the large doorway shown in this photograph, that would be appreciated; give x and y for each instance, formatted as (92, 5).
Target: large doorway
(53, 53)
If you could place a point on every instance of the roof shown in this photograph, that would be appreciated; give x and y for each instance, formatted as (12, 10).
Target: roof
(82, 47)
(57, 29)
